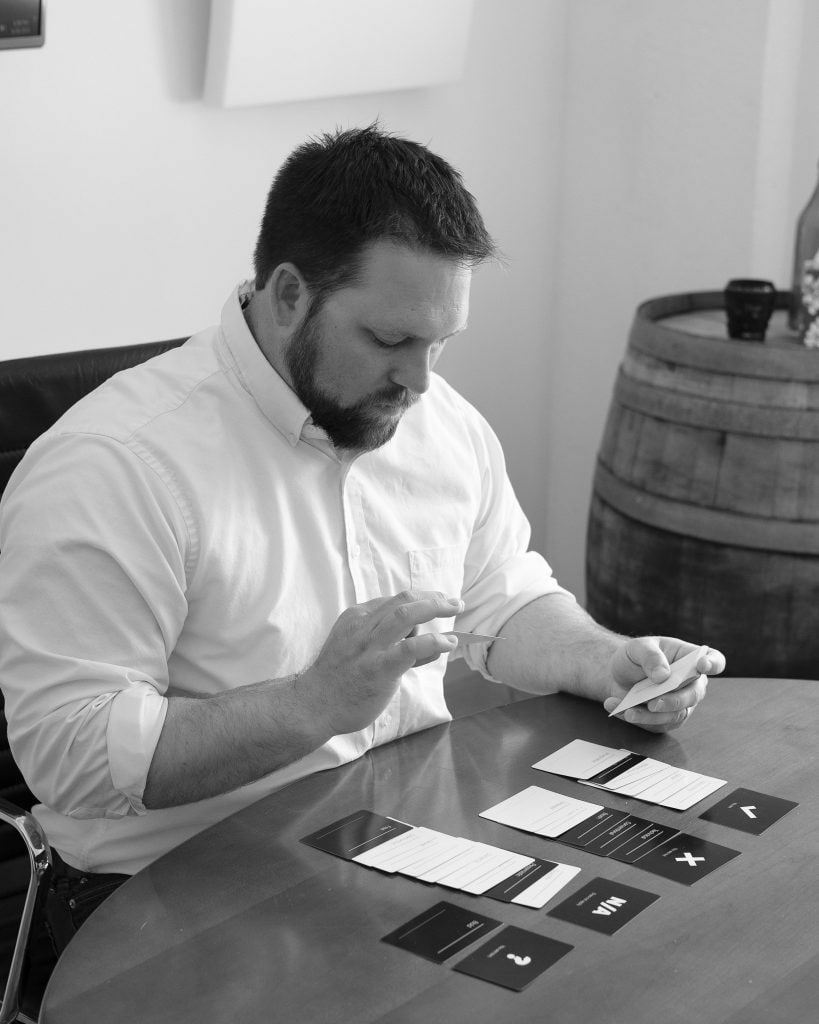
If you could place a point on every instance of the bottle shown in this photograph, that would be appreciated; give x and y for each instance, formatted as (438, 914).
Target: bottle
(803, 313)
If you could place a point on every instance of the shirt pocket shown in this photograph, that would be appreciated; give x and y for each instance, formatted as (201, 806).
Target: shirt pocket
(440, 569)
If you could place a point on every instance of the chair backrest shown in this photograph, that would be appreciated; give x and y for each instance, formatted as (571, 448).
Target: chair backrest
(34, 392)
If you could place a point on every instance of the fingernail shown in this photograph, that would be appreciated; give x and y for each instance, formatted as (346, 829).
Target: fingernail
(454, 601)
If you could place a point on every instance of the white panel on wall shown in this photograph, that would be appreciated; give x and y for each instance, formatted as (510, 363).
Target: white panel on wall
(267, 51)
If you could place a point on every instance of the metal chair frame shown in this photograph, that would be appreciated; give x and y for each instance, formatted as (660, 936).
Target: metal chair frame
(39, 854)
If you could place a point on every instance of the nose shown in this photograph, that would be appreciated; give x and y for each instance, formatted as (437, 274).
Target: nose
(413, 370)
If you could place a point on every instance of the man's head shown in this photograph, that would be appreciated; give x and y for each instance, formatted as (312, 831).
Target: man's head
(364, 259)
(337, 194)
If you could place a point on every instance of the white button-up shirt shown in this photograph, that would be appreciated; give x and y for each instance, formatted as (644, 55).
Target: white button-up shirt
(188, 526)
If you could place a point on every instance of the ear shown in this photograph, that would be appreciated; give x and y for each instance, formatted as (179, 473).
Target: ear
(289, 295)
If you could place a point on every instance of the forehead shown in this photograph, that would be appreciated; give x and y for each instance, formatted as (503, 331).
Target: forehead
(413, 291)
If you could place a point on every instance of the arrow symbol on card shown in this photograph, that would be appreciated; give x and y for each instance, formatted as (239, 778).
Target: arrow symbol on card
(749, 810)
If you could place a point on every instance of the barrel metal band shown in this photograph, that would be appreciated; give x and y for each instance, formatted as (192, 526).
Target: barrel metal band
(715, 525)
(730, 417)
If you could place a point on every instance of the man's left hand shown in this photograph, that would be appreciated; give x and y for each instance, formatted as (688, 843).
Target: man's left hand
(649, 657)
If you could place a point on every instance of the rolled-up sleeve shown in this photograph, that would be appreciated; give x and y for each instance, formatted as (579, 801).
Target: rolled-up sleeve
(501, 574)
(93, 556)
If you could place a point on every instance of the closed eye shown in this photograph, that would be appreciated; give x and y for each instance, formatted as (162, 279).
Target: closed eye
(381, 343)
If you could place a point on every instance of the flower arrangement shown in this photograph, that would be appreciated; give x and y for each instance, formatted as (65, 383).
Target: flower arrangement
(810, 302)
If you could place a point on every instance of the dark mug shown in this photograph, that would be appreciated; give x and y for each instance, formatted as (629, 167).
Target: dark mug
(749, 304)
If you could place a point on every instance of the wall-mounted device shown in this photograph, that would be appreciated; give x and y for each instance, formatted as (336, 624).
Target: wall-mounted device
(278, 51)
(22, 23)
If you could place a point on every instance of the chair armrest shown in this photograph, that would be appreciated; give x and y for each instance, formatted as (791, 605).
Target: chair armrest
(39, 855)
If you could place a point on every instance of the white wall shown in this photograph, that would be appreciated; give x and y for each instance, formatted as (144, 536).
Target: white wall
(612, 144)
(130, 208)
(664, 116)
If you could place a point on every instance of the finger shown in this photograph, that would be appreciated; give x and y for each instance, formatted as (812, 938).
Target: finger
(410, 609)
(711, 663)
(655, 721)
(647, 657)
(686, 697)
(426, 647)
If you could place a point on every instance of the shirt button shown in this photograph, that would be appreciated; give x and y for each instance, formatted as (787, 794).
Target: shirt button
(355, 551)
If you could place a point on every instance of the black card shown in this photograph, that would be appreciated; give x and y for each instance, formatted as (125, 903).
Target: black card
(749, 811)
(604, 905)
(513, 886)
(513, 958)
(590, 828)
(441, 931)
(641, 841)
(360, 831)
(686, 858)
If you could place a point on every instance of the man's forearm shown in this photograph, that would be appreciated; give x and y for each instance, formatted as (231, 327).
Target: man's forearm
(212, 745)
(553, 644)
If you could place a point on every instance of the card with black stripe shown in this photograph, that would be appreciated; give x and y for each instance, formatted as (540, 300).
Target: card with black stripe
(441, 932)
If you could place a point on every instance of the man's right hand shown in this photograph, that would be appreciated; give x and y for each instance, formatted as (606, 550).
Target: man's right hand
(369, 648)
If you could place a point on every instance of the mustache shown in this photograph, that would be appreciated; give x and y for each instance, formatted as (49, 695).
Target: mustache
(400, 398)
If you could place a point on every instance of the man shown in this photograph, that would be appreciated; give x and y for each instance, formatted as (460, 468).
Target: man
(237, 563)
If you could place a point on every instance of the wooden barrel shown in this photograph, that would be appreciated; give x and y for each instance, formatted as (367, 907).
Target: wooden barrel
(704, 521)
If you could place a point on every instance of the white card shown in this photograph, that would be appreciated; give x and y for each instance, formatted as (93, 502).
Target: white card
(682, 671)
(541, 811)
(539, 894)
(581, 759)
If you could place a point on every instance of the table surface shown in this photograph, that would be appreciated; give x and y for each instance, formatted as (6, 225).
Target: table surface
(245, 922)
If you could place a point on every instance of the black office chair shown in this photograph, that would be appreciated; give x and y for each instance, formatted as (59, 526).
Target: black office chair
(34, 393)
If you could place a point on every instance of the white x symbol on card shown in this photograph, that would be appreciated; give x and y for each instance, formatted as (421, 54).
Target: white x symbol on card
(690, 859)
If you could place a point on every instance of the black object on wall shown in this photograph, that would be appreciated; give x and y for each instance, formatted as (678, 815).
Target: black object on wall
(22, 23)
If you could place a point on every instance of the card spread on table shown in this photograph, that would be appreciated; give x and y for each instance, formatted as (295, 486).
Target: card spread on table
(607, 832)
(513, 958)
(683, 670)
(441, 932)
(435, 857)
(603, 905)
(749, 811)
(629, 774)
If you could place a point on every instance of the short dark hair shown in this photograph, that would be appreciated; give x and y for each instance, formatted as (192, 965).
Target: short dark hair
(339, 192)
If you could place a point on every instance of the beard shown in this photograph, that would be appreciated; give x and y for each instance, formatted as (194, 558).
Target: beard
(364, 426)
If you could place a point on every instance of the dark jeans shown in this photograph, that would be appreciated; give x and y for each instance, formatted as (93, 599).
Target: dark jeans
(71, 897)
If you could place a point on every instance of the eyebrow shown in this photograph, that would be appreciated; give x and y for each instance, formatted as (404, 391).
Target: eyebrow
(395, 335)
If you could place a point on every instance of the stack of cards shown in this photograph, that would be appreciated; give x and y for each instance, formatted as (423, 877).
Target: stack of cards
(429, 856)
(661, 849)
(629, 774)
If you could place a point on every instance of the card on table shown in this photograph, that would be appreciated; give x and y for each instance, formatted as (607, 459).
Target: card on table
(513, 958)
(603, 905)
(622, 771)
(618, 835)
(539, 810)
(441, 932)
(686, 858)
(749, 811)
(683, 670)
(359, 831)
(427, 855)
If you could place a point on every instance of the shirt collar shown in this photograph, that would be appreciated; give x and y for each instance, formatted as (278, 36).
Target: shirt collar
(272, 394)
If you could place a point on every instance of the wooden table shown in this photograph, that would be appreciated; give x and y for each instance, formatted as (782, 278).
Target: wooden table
(245, 923)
